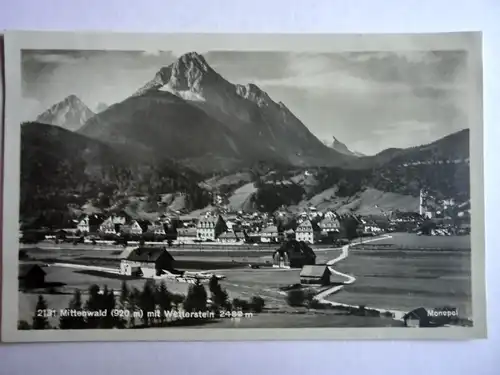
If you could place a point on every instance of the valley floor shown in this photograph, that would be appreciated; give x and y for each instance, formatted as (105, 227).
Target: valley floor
(390, 275)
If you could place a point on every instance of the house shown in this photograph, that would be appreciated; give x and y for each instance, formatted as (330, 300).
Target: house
(186, 235)
(370, 227)
(120, 218)
(270, 234)
(210, 228)
(147, 262)
(230, 237)
(315, 274)
(417, 318)
(108, 226)
(132, 228)
(293, 254)
(308, 231)
(31, 276)
(330, 215)
(330, 225)
(188, 220)
(156, 229)
(90, 223)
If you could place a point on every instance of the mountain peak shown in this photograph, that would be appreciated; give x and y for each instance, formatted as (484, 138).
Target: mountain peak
(72, 99)
(70, 113)
(341, 147)
(194, 58)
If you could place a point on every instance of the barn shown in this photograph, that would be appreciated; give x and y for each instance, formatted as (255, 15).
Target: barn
(417, 318)
(31, 276)
(315, 274)
(293, 254)
(147, 262)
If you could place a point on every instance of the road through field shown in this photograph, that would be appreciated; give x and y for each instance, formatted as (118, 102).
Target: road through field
(321, 297)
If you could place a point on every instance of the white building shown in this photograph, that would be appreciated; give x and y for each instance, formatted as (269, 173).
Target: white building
(308, 232)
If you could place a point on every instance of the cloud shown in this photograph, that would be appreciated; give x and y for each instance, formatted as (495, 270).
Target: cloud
(51, 58)
(152, 53)
(405, 127)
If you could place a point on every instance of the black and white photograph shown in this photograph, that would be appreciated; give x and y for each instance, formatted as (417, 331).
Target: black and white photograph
(182, 189)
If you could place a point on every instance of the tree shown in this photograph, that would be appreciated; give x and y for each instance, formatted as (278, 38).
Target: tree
(40, 320)
(124, 296)
(23, 325)
(257, 304)
(93, 304)
(177, 300)
(196, 299)
(108, 304)
(147, 301)
(296, 298)
(427, 227)
(163, 300)
(134, 298)
(240, 304)
(73, 322)
(349, 228)
(219, 295)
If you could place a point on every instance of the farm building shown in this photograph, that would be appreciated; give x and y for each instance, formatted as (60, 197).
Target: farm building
(270, 234)
(186, 234)
(31, 276)
(315, 274)
(147, 262)
(417, 318)
(293, 254)
(230, 237)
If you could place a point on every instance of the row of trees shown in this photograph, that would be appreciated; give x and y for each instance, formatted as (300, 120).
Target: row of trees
(152, 298)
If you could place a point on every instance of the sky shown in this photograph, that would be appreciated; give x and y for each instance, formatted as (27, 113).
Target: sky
(370, 101)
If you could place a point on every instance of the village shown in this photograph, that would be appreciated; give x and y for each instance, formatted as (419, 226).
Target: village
(219, 226)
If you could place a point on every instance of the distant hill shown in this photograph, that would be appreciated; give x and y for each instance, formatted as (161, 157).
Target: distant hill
(70, 113)
(62, 169)
(453, 147)
(384, 182)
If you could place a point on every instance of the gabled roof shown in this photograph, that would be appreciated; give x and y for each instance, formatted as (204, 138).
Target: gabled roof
(330, 220)
(229, 235)
(308, 223)
(270, 229)
(210, 219)
(147, 254)
(314, 271)
(187, 232)
(25, 269)
(420, 313)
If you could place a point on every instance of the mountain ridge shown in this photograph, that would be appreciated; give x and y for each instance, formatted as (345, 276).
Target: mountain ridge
(245, 109)
(70, 113)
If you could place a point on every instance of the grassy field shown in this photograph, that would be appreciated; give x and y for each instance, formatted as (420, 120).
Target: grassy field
(306, 320)
(408, 279)
(413, 241)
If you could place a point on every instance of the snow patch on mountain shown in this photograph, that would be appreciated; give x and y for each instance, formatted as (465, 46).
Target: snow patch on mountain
(184, 94)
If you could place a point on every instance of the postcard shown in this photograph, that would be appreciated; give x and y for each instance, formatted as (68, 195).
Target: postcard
(206, 187)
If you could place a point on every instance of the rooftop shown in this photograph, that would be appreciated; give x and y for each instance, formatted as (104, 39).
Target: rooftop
(314, 271)
(147, 254)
